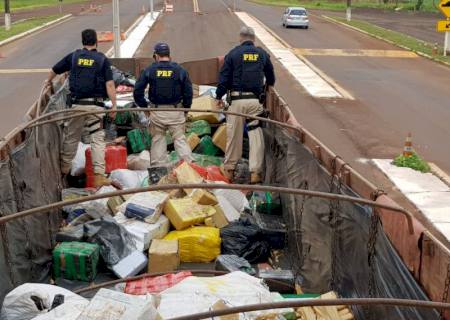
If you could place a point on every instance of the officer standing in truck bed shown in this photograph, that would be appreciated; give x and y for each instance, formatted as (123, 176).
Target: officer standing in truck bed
(169, 87)
(90, 82)
(242, 75)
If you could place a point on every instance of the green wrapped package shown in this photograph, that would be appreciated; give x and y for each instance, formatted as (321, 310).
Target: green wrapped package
(207, 147)
(139, 140)
(200, 128)
(124, 118)
(200, 159)
(174, 157)
(76, 261)
(206, 161)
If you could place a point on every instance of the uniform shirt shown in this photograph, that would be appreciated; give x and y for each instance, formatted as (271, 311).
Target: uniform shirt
(238, 74)
(169, 85)
(65, 65)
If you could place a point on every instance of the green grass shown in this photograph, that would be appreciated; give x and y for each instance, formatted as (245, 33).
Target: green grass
(30, 4)
(414, 162)
(342, 4)
(398, 38)
(26, 25)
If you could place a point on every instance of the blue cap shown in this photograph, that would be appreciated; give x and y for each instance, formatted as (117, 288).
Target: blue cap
(162, 48)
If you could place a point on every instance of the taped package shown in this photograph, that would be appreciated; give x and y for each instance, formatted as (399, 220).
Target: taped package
(220, 137)
(204, 103)
(186, 174)
(197, 244)
(184, 212)
(109, 304)
(142, 232)
(204, 197)
(145, 206)
(198, 294)
(193, 140)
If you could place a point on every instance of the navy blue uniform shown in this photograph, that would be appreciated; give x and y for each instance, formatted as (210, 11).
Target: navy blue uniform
(169, 85)
(244, 70)
(89, 72)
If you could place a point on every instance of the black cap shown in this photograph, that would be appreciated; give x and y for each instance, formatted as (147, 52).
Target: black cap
(162, 49)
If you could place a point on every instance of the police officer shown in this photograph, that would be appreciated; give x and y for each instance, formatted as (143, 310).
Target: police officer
(90, 82)
(242, 75)
(169, 87)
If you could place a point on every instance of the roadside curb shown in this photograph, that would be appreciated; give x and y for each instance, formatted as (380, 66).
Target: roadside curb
(420, 53)
(27, 33)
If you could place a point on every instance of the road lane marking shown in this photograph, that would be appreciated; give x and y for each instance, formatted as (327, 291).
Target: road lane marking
(20, 71)
(303, 72)
(356, 53)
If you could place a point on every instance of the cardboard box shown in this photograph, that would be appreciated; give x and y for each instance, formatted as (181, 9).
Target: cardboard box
(163, 255)
(193, 140)
(184, 212)
(204, 197)
(220, 137)
(204, 103)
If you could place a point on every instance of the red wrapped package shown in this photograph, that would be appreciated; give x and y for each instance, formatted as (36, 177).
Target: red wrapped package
(155, 284)
(201, 171)
(115, 158)
(214, 174)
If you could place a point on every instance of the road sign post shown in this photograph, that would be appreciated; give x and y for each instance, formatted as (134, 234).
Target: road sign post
(151, 9)
(444, 25)
(7, 16)
(116, 28)
(349, 10)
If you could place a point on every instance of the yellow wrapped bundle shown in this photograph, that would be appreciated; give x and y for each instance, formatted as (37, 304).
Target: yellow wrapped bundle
(193, 140)
(204, 197)
(197, 244)
(185, 174)
(220, 137)
(204, 103)
(184, 212)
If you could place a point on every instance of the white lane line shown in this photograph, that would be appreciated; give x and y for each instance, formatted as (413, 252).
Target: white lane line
(305, 75)
(134, 39)
(19, 71)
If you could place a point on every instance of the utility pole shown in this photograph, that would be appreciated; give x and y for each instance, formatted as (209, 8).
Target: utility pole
(446, 41)
(116, 28)
(151, 9)
(349, 10)
(7, 16)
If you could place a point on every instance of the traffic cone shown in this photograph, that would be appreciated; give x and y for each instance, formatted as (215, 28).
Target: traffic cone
(407, 149)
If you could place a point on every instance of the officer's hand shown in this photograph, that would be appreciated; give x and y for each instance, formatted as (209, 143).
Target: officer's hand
(48, 84)
(112, 115)
(219, 104)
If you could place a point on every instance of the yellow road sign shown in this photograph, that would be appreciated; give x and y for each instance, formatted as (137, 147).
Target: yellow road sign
(444, 6)
(443, 26)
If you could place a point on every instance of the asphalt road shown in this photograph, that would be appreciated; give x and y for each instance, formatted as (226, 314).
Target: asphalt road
(42, 50)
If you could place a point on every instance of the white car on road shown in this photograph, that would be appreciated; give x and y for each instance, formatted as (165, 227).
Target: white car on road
(295, 17)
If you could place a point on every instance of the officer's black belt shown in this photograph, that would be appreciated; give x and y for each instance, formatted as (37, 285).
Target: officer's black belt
(83, 102)
(244, 96)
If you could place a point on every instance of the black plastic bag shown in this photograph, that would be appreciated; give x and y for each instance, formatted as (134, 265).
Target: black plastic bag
(114, 240)
(245, 239)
